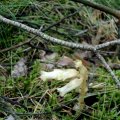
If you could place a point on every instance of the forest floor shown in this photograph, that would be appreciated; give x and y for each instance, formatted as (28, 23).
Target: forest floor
(23, 94)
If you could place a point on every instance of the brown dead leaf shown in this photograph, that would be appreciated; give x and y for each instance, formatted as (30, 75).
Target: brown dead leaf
(65, 61)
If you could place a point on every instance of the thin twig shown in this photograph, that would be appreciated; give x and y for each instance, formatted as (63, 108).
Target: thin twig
(108, 68)
(15, 46)
(58, 22)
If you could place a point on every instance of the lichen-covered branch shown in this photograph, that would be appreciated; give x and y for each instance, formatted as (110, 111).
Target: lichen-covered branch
(111, 43)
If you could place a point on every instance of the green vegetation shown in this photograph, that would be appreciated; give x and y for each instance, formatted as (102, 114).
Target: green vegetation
(38, 99)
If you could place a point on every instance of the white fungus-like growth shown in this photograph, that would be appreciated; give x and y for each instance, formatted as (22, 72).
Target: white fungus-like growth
(69, 86)
(59, 74)
(77, 79)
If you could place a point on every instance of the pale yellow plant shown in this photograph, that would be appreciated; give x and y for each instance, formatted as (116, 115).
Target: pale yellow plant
(78, 79)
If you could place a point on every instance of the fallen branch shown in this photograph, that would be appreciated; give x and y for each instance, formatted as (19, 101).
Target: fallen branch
(68, 44)
(58, 41)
